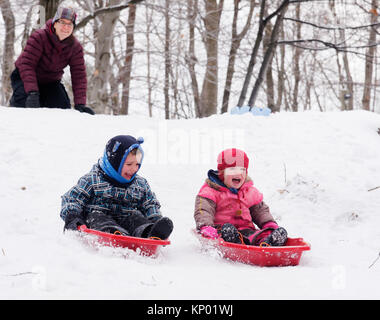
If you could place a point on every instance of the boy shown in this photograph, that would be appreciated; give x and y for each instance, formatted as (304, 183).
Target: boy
(113, 198)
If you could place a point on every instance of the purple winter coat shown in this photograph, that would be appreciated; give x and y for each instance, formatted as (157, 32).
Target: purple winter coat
(44, 58)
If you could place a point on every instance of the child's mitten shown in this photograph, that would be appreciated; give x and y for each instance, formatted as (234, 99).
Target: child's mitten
(209, 232)
(270, 224)
(73, 221)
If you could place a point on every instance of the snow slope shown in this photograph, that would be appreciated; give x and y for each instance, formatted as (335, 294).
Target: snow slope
(315, 170)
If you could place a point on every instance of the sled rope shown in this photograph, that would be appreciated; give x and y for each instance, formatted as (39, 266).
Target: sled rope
(264, 244)
(155, 238)
(241, 238)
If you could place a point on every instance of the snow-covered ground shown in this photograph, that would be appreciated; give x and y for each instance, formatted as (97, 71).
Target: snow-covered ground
(315, 170)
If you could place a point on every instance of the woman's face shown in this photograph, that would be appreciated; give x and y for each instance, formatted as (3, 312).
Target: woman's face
(63, 28)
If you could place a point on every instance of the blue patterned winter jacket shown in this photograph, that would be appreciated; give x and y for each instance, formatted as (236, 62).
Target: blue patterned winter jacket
(95, 192)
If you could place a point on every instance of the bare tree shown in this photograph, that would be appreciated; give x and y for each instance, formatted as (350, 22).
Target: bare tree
(50, 6)
(98, 92)
(167, 59)
(370, 58)
(209, 94)
(127, 70)
(191, 59)
(296, 60)
(8, 50)
(236, 39)
(255, 50)
(280, 12)
(280, 74)
(269, 81)
(148, 23)
(345, 81)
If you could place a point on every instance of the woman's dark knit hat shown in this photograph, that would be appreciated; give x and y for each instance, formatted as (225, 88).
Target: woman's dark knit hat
(65, 13)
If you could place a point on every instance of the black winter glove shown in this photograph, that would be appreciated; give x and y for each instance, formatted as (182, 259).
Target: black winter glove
(73, 221)
(32, 100)
(83, 108)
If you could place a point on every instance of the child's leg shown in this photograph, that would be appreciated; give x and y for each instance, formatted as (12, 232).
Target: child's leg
(140, 226)
(268, 236)
(136, 224)
(247, 234)
(101, 221)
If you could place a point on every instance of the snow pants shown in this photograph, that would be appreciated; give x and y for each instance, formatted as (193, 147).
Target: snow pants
(52, 95)
(134, 224)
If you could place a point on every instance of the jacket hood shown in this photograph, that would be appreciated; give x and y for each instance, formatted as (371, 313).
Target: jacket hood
(115, 154)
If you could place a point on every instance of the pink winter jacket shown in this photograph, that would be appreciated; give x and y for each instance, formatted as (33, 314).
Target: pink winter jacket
(216, 205)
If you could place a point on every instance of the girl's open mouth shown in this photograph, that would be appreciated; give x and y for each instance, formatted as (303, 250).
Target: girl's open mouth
(236, 180)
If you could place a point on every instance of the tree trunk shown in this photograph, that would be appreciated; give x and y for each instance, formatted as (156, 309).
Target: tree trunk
(149, 19)
(346, 86)
(369, 59)
(269, 75)
(255, 50)
(8, 51)
(51, 7)
(126, 73)
(167, 59)
(98, 94)
(235, 44)
(350, 83)
(191, 59)
(280, 76)
(269, 52)
(296, 61)
(209, 95)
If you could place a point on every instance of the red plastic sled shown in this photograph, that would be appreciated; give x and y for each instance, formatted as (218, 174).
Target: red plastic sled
(288, 255)
(146, 247)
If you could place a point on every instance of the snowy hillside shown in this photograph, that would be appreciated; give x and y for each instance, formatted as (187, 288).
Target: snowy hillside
(314, 169)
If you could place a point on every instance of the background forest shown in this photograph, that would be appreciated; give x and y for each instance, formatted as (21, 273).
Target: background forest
(195, 58)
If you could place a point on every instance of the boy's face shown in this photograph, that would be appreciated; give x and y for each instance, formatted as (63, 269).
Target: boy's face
(131, 165)
(235, 177)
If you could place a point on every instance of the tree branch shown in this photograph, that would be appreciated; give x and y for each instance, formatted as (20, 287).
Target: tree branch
(87, 19)
(328, 45)
(334, 28)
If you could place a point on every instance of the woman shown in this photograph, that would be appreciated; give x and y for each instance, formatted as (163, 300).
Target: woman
(36, 81)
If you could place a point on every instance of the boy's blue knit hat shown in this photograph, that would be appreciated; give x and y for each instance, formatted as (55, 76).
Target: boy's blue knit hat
(115, 153)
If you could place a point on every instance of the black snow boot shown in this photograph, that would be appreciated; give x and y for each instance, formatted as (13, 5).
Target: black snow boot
(142, 231)
(278, 237)
(162, 229)
(229, 233)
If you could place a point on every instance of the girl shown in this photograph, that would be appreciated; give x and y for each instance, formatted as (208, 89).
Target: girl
(228, 205)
